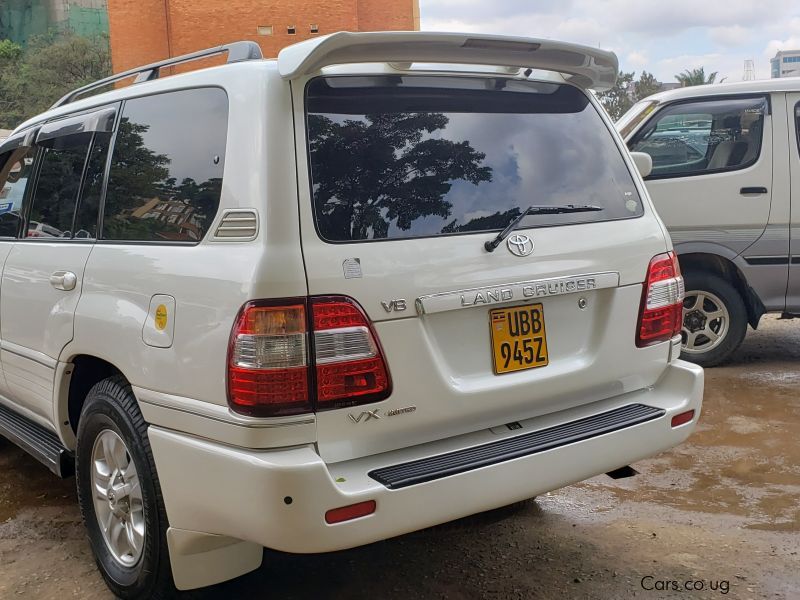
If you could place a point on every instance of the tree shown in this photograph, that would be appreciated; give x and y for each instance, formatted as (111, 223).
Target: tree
(646, 86)
(31, 80)
(382, 170)
(618, 99)
(695, 77)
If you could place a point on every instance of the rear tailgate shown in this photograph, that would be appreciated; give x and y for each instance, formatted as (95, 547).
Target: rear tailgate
(410, 177)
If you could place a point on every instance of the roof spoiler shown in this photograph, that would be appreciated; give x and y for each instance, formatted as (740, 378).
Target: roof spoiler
(584, 66)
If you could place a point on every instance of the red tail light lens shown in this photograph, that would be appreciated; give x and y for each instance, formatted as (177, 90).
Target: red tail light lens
(350, 368)
(273, 372)
(661, 311)
(267, 360)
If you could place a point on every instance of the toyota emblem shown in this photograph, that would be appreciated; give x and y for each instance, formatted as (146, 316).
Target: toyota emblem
(519, 244)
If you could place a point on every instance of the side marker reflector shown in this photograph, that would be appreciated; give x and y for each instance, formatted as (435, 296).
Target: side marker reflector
(682, 418)
(347, 513)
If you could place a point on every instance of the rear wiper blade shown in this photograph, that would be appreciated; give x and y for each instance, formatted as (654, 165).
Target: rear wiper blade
(552, 209)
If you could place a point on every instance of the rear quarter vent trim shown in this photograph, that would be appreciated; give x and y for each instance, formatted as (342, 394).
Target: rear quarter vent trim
(452, 463)
(237, 225)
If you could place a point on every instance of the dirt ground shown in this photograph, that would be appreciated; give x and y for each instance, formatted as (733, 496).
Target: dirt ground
(719, 515)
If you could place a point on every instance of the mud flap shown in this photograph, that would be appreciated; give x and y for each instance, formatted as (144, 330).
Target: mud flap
(201, 559)
(755, 308)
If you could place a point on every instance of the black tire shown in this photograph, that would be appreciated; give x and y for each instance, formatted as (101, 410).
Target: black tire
(110, 405)
(737, 326)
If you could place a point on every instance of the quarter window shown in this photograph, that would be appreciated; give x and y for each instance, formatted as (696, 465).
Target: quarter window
(56, 193)
(695, 138)
(166, 167)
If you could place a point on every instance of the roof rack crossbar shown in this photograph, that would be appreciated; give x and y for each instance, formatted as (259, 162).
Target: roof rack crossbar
(237, 52)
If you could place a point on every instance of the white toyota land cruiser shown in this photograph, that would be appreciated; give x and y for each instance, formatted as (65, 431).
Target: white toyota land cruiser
(314, 302)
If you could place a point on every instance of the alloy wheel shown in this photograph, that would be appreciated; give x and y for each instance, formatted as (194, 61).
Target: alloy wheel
(705, 321)
(117, 496)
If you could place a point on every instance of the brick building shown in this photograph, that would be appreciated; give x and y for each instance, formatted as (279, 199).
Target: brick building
(144, 31)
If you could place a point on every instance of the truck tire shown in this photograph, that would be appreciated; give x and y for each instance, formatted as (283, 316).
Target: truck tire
(714, 319)
(119, 494)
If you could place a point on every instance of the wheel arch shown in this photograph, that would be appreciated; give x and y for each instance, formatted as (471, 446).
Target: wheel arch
(726, 268)
(75, 376)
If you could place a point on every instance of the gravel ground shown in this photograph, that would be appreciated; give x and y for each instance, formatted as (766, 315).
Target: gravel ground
(719, 514)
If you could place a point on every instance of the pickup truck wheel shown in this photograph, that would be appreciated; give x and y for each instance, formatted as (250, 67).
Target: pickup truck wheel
(714, 319)
(119, 494)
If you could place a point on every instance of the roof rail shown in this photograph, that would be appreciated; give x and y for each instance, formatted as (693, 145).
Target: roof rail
(237, 52)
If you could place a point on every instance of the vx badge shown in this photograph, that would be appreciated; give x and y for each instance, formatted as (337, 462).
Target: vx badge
(366, 415)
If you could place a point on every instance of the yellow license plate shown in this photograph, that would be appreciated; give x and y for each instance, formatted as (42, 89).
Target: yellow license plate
(519, 340)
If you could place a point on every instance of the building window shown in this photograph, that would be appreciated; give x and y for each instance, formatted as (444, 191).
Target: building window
(264, 29)
(291, 30)
(314, 28)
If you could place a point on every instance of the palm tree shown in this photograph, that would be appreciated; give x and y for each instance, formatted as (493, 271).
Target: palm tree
(695, 77)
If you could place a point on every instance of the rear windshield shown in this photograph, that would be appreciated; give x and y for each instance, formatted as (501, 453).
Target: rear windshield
(417, 156)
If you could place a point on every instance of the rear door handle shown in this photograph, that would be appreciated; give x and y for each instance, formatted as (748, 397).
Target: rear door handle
(64, 280)
(752, 190)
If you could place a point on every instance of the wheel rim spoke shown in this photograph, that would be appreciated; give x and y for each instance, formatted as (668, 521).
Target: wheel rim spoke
(710, 326)
(699, 300)
(118, 502)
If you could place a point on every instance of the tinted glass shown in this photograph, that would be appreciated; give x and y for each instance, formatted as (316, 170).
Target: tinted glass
(166, 167)
(89, 205)
(694, 138)
(796, 124)
(412, 156)
(56, 193)
(16, 169)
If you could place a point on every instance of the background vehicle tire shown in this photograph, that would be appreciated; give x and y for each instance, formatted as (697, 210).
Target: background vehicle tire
(714, 319)
(119, 494)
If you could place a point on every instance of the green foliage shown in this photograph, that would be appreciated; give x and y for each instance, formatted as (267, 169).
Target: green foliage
(695, 77)
(33, 78)
(618, 99)
(9, 51)
(646, 85)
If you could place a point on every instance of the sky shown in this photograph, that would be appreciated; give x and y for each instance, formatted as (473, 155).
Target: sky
(664, 37)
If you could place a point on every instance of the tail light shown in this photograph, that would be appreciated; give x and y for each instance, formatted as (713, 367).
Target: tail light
(661, 312)
(268, 359)
(293, 356)
(350, 368)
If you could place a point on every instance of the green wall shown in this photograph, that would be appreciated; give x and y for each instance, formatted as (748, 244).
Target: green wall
(21, 20)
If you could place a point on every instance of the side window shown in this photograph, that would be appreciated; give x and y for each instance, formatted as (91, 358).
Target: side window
(16, 170)
(56, 193)
(796, 125)
(166, 167)
(694, 138)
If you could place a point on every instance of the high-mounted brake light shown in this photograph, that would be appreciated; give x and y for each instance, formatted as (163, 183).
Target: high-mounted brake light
(661, 311)
(296, 355)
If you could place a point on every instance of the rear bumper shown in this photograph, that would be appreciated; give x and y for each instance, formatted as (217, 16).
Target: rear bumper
(279, 498)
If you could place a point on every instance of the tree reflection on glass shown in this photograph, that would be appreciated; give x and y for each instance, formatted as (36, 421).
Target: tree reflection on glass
(144, 202)
(385, 170)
